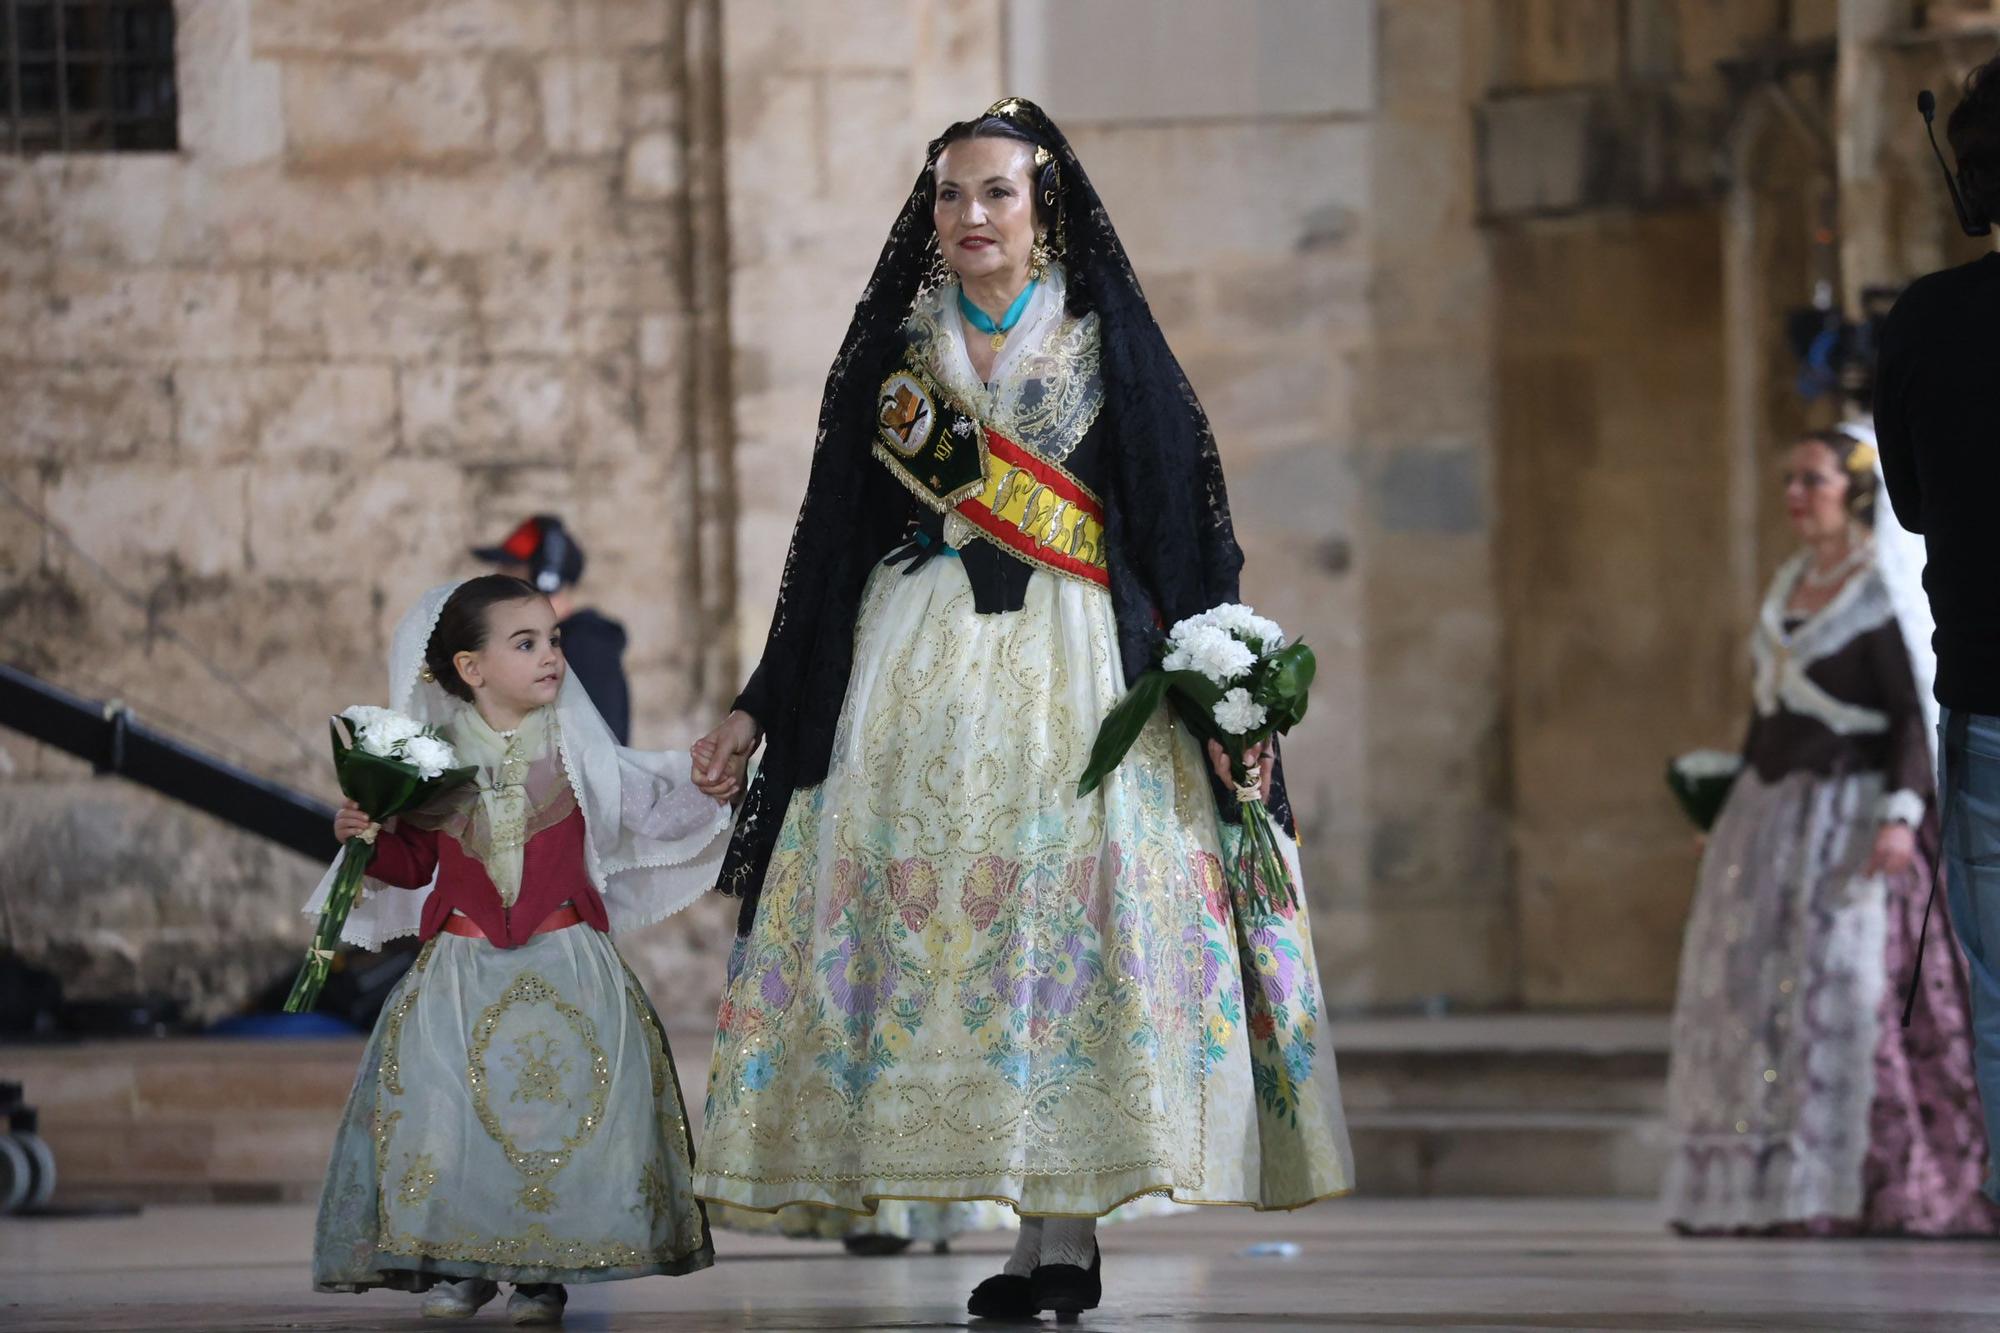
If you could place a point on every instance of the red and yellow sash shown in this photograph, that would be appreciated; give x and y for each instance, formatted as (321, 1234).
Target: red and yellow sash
(955, 464)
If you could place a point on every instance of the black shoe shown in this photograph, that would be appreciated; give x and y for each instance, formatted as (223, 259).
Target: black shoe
(1003, 1296)
(1068, 1290)
(875, 1246)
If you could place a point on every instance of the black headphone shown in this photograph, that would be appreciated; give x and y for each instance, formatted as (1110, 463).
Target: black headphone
(545, 571)
(1970, 220)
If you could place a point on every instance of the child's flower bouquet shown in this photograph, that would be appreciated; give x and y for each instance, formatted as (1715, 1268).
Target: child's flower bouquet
(1233, 679)
(386, 763)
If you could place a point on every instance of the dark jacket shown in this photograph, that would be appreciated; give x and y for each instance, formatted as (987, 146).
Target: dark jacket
(1937, 418)
(594, 644)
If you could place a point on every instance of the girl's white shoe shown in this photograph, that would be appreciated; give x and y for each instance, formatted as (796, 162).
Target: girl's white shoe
(459, 1300)
(544, 1306)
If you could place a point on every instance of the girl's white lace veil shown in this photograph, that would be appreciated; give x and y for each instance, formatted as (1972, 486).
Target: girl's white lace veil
(655, 843)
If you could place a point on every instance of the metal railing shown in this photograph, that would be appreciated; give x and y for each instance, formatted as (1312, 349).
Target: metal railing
(112, 741)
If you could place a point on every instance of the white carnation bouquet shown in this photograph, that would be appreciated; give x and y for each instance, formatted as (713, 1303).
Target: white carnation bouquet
(386, 763)
(1234, 679)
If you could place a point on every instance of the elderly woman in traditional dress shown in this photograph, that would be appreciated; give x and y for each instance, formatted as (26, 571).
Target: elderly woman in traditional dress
(956, 978)
(1799, 1101)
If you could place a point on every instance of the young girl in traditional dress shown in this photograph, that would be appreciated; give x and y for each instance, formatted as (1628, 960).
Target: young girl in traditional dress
(517, 1117)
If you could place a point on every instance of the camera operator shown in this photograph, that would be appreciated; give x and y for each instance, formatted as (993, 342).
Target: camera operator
(1937, 417)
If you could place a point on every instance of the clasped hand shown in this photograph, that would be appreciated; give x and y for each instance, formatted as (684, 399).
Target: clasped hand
(722, 758)
(1263, 757)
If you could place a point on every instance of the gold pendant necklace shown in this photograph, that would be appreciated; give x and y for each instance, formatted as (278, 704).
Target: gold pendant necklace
(996, 339)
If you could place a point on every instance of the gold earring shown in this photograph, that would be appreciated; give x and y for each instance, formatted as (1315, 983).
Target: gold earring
(1040, 257)
(427, 676)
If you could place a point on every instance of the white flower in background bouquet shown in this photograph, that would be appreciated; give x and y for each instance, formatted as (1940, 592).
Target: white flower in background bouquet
(386, 763)
(1233, 679)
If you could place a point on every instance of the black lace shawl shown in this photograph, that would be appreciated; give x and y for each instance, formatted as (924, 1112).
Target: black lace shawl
(1172, 548)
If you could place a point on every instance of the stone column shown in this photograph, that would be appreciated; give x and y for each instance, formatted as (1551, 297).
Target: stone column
(1867, 126)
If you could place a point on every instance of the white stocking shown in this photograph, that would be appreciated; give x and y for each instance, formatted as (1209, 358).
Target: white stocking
(1069, 1240)
(1027, 1249)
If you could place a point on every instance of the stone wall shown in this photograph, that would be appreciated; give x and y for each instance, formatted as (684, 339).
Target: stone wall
(1630, 507)
(829, 106)
(417, 271)
(1663, 181)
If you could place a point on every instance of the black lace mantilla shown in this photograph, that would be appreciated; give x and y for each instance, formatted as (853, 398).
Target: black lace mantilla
(1173, 550)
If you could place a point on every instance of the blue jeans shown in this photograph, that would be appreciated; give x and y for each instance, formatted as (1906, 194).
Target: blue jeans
(1969, 799)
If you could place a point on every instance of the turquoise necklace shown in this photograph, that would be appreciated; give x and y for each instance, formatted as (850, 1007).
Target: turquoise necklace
(996, 334)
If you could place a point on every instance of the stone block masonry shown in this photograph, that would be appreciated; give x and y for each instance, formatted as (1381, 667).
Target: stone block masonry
(419, 270)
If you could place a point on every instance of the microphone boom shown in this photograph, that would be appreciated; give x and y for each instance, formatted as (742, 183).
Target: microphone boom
(1972, 224)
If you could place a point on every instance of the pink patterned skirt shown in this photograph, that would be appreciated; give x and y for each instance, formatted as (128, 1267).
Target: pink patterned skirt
(1798, 1102)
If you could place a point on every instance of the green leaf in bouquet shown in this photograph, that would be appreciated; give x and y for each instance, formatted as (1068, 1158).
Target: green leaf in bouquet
(380, 786)
(1122, 725)
(1288, 685)
(1194, 697)
(1196, 686)
(384, 788)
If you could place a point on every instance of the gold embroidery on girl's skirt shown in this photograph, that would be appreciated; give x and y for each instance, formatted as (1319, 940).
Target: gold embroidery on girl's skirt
(418, 1181)
(656, 1192)
(534, 1247)
(537, 1168)
(385, 1126)
(656, 1051)
(538, 1069)
(391, 1074)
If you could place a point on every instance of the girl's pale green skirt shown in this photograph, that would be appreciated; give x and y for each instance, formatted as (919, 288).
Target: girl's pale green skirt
(517, 1117)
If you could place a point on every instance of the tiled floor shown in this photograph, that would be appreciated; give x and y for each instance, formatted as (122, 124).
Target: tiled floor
(1403, 1265)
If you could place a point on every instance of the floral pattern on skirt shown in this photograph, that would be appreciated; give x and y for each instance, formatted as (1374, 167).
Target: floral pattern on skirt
(966, 982)
(1797, 1102)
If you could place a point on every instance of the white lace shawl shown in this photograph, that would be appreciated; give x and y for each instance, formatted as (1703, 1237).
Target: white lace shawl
(1046, 386)
(1781, 659)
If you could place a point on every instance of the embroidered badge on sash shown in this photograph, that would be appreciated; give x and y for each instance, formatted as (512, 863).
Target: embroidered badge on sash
(926, 441)
(907, 413)
(1014, 497)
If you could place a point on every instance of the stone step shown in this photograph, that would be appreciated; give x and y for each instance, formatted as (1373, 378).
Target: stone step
(1581, 1154)
(1505, 1105)
(187, 1120)
(1514, 1062)
(1383, 1081)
